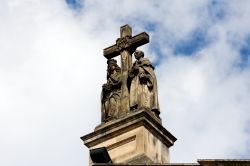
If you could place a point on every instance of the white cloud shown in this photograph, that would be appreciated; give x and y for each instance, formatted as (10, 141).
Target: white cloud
(52, 69)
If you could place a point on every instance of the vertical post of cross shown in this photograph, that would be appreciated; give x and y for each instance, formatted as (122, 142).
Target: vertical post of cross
(126, 63)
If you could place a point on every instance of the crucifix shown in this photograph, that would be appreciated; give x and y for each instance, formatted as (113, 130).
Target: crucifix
(125, 46)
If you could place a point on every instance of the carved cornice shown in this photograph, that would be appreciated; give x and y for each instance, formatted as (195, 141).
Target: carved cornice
(133, 120)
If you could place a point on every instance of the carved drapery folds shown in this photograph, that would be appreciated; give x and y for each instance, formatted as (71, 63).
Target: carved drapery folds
(143, 85)
(111, 92)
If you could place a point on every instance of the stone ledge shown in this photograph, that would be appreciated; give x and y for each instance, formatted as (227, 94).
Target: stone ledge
(130, 114)
(201, 162)
(131, 121)
(224, 162)
(174, 164)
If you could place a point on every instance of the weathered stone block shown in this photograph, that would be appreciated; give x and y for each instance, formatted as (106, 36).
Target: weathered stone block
(137, 137)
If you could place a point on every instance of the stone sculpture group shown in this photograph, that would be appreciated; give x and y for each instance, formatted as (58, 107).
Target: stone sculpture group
(130, 87)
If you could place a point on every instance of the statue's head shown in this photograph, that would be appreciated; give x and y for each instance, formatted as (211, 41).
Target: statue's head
(112, 65)
(138, 54)
(111, 62)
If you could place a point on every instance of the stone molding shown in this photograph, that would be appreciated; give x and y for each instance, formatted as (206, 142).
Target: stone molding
(130, 121)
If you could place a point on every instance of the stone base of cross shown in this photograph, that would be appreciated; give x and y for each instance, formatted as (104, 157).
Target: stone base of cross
(125, 46)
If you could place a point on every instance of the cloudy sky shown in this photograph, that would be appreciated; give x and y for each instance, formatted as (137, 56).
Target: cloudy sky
(52, 69)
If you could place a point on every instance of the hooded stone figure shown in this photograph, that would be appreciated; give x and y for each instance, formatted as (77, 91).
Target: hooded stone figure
(111, 92)
(143, 86)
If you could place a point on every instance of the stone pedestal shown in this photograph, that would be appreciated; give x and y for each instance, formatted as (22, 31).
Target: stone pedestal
(137, 138)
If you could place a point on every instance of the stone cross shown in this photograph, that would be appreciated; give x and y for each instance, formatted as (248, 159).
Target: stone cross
(125, 46)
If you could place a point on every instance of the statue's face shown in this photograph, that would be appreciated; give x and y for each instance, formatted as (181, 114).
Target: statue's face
(112, 67)
(137, 55)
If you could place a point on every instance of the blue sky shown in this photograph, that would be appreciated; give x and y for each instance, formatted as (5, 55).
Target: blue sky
(52, 69)
(75, 4)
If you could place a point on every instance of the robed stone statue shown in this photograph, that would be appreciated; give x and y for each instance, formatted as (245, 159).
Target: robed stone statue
(111, 92)
(143, 86)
